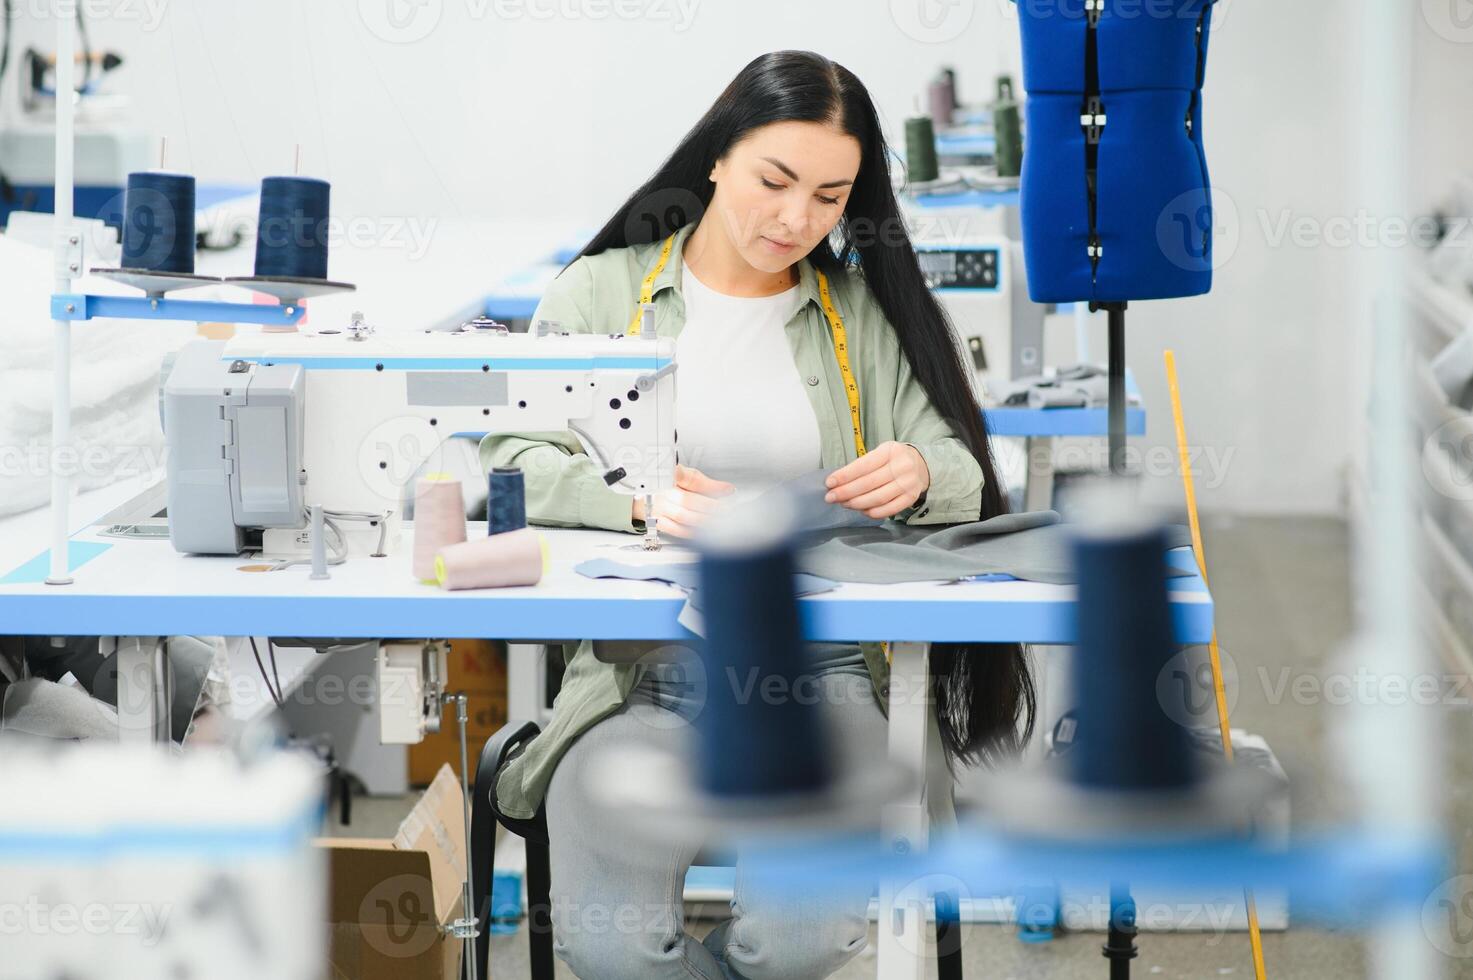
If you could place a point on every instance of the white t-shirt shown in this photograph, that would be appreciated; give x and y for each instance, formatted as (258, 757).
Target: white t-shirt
(741, 412)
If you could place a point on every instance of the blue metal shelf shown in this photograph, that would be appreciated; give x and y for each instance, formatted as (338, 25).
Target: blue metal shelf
(1340, 877)
(968, 199)
(1026, 422)
(1040, 422)
(966, 144)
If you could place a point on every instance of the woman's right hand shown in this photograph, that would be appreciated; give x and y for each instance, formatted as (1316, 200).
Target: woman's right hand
(683, 508)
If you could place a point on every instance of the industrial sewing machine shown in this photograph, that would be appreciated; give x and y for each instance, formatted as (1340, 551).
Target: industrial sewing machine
(261, 428)
(979, 279)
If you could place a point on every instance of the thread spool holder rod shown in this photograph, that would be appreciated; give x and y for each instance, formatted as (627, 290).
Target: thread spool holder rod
(66, 250)
(83, 306)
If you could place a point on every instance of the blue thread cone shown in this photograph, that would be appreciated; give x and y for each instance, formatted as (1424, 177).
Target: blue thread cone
(506, 500)
(158, 222)
(291, 231)
(755, 738)
(1126, 740)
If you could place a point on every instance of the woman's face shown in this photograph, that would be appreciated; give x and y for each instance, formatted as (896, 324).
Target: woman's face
(782, 188)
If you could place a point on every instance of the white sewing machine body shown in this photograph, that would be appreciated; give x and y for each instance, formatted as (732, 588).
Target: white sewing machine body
(972, 258)
(263, 427)
(979, 280)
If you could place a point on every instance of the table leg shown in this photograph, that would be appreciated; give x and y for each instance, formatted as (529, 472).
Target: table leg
(1038, 491)
(902, 922)
(526, 682)
(1051, 666)
(1038, 907)
(141, 716)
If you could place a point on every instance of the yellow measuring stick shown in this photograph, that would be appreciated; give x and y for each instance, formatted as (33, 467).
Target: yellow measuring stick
(1254, 936)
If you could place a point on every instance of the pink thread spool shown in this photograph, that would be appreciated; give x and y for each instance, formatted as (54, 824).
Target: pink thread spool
(439, 520)
(497, 561)
(941, 98)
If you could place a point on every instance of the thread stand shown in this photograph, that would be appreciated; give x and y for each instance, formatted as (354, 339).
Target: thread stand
(290, 290)
(1115, 375)
(156, 284)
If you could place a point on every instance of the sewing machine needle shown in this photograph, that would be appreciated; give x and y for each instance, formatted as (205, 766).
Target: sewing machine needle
(651, 535)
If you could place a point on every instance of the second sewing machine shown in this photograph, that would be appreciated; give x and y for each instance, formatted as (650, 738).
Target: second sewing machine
(263, 428)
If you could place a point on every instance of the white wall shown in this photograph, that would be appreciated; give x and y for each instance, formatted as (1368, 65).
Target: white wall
(491, 108)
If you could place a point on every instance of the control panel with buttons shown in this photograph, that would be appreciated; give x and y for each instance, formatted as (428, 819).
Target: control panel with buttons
(980, 281)
(960, 268)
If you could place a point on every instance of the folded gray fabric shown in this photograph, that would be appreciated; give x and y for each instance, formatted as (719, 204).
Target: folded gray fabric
(1077, 386)
(1453, 369)
(814, 514)
(1057, 398)
(45, 709)
(96, 670)
(686, 575)
(1034, 546)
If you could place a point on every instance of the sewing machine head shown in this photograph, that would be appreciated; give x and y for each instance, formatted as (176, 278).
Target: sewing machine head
(263, 426)
(979, 280)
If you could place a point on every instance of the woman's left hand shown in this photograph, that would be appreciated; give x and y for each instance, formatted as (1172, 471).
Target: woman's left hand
(883, 482)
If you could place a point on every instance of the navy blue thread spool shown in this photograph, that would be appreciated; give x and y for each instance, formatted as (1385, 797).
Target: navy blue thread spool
(506, 500)
(291, 230)
(756, 737)
(1126, 740)
(158, 223)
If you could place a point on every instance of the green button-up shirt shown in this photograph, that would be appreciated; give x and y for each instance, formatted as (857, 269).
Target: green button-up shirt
(599, 294)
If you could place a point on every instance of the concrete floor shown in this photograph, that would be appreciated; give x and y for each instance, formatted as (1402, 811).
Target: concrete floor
(1283, 601)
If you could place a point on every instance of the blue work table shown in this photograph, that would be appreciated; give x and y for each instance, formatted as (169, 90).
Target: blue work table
(144, 589)
(1039, 427)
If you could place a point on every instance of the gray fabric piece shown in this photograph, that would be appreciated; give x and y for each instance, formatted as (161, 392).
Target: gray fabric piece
(1453, 369)
(45, 709)
(686, 575)
(1031, 546)
(1058, 398)
(94, 665)
(808, 492)
(1078, 386)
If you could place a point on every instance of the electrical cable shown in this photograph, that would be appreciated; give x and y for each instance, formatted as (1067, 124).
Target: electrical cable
(329, 522)
(6, 11)
(271, 649)
(7, 190)
(86, 49)
(262, 668)
(361, 515)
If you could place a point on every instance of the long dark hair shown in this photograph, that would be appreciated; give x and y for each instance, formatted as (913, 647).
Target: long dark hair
(984, 693)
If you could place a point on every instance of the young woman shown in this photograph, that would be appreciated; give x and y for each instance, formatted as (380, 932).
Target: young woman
(773, 249)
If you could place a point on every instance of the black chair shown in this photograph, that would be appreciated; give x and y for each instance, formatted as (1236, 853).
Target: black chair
(485, 815)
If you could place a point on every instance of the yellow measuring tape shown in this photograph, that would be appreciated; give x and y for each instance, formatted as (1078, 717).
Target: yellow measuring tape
(647, 288)
(841, 351)
(836, 328)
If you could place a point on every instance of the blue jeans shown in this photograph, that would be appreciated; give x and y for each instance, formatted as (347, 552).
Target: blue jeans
(617, 909)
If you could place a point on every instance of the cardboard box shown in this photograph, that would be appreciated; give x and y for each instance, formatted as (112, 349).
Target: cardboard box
(477, 667)
(390, 901)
